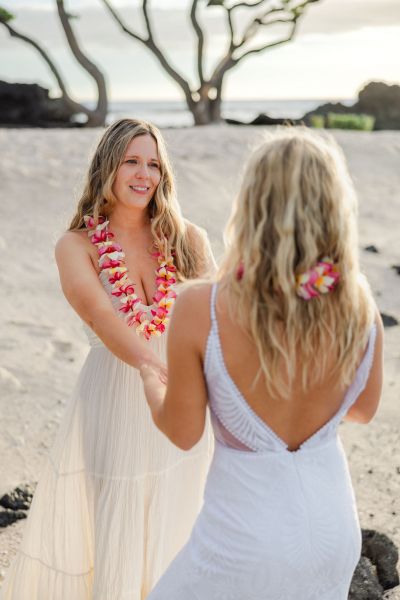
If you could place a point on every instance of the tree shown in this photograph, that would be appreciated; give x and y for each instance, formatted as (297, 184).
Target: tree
(96, 116)
(204, 101)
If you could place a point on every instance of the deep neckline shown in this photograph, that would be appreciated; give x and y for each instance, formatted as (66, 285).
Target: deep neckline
(142, 304)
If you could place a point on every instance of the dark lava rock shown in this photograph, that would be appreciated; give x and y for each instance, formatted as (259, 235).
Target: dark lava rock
(383, 102)
(372, 249)
(388, 320)
(29, 104)
(383, 554)
(378, 99)
(8, 517)
(18, 499)
(365, 584)
(264, 119)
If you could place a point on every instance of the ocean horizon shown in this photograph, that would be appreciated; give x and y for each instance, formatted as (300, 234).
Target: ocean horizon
(174, 113)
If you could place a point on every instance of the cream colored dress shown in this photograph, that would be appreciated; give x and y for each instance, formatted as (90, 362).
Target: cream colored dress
(116, 500)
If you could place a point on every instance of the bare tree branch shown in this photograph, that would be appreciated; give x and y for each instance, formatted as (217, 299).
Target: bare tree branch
(147, 20)
(270, 45)
(231, 29)
(255, 24)
(200, 42)
(248, 4)
(88, 65)
(119, 21)
(75, 106)
(151, 45)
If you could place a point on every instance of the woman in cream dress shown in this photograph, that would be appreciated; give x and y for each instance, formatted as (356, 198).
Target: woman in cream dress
(116, 500)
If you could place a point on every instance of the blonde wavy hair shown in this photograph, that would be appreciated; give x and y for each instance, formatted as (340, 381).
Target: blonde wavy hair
(297, 205)
(168, 227)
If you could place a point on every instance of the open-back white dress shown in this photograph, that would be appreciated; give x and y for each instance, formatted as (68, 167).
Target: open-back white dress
(116, 500)
(275, 524)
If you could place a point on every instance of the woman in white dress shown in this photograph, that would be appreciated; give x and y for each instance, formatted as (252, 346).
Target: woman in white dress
(285, 345)
(116, 500)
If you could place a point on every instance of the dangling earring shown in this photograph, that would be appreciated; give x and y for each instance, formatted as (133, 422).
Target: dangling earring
(240, 271)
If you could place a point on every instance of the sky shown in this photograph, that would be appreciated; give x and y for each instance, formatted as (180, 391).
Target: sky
(339, 46)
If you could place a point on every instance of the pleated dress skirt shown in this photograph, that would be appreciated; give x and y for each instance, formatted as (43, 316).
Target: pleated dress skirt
(116, 500)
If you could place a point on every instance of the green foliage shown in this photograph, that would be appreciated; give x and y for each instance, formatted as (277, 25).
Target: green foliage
(5, 16)
(350, 121)
(317, 121)
(358, 122)
(215, 2)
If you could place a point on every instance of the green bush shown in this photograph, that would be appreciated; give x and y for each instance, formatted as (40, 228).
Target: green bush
(343, 121)
(350, 121)
(317, 121)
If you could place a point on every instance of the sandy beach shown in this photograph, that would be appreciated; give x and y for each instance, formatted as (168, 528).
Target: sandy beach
(42, 343)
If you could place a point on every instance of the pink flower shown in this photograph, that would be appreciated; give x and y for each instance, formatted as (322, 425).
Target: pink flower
(117, 275)
(126, 290)
(110, 264)
(109, 247)
(160, 312)
(159, 295)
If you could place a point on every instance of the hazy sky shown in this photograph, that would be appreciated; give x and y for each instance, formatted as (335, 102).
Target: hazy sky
(340, 44)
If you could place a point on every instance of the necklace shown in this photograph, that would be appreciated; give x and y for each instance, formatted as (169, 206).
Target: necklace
(149, 321)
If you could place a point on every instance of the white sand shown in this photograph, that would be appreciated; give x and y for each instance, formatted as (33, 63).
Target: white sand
(42, 345)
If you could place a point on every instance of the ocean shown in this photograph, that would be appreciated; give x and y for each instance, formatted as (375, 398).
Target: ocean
(175, 114)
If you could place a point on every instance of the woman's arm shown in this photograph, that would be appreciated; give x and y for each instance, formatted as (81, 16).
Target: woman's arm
(83, 290)
(366, 405)
(179, 409)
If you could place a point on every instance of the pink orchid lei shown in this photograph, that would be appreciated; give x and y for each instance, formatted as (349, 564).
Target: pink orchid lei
(153, 321)
(320, 279)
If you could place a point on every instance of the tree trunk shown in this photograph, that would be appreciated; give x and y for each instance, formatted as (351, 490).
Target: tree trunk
(206, 110)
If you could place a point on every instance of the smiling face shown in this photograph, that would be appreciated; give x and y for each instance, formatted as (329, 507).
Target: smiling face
(139, 174)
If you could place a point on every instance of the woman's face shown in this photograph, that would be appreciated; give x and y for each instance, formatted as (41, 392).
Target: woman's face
(139, 174)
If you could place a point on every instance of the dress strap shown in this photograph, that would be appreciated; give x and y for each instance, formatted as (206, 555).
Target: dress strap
(213, 298)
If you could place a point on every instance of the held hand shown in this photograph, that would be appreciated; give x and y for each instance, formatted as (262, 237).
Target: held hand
(154, 373)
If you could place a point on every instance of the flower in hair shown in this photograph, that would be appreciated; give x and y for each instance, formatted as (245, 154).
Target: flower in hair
(320, 279)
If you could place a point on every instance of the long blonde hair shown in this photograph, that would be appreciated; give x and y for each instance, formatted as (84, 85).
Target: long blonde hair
(296, 205)
(168, 226)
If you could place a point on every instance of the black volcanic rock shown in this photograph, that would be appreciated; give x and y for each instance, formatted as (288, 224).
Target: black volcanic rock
(8, 517)
(382, 552)
(383, 102)
(29, 104)
(388, 320)
(18, 499)
(378, 99)
(372, 249)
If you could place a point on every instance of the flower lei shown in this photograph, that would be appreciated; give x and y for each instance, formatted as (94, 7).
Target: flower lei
(151, 322)
(320, 279)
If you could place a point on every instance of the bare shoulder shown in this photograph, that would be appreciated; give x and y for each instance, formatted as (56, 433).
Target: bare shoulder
(70, 240)
(194, 295)
(199, 242)
(197, 235)
(74, 244)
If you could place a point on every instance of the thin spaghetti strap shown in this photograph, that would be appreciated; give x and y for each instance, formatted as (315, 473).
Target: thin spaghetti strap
(213, 297)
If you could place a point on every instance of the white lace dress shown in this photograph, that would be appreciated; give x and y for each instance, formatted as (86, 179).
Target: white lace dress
(275, 524)
(116, 500)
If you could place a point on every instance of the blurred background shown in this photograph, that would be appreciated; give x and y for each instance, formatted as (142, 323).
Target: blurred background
(308, 53)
